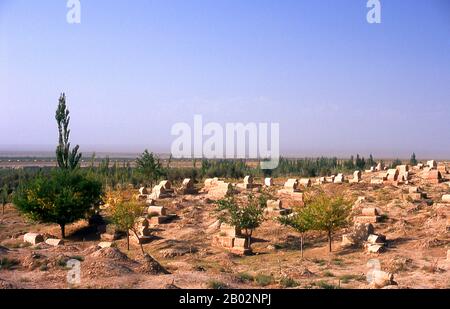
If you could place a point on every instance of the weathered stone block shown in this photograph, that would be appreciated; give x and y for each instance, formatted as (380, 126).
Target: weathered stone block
(105, 244)
(370, 211)
(228, 230)
(348, 240)
(432, 164)
(446, 198)
(392, 174)
(158, 220)
(305, 182)
(33, 238)
(375, 248)
(227, 241)
(156, 211)
(143, 191)
(241, 242)
(376, 239)
(367, 219)
(274, 205)
(361, 231)
(54, 242)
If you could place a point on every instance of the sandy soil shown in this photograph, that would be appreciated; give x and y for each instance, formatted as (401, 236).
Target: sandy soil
(418, 240)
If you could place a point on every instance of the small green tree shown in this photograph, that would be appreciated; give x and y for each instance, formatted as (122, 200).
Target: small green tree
(62, 197)
(327, 213)
(66, 158)
(299, 222)
(245, 218)
(371, 162)
(4, 197)
(149, 166)
(124, 216)
(413, 160)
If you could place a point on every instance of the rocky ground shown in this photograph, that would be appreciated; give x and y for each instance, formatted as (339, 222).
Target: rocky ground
(416, 232)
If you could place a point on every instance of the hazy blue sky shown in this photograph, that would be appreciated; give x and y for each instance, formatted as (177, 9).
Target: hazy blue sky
(131, 69)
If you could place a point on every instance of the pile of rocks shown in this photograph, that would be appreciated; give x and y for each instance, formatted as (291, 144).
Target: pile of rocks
(305, 182)
(158, 215)
(446, 198)
(362, 235)
(376, 243)
(358, 235)
(36, 238)
(217, 189)
(433, 177)
(330, 179)
(248, 183)
(187, 187)
(291, 191)
(431, 164)
(414, 194)
(142, 230)
(379, 179)
(403, 174)
(231, 239)
(275, 208)
(357, 177)
(392, 175)
(369, 215)
(163, 190)
(340, 178)
(380, 167)
(268, 182)
(442, 168)
(143, 194)
(109, 233)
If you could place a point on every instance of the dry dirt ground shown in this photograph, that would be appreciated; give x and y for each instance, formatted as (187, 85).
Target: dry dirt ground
(418, 240)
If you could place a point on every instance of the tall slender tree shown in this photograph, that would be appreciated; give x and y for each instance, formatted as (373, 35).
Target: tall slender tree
(66, 195)
(413, 160)
(67, 159)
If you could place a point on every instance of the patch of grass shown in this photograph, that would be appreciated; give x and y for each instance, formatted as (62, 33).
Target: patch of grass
(17, 245)
(6, 263)
(328, 273)
(319, 262)
(288, 282)
(199, 268)
(325, 285)
(347, 278)
(43, 267)
(264, 280)
(245, 277)
(338, 262)
(77, 257)
(216, 285)
(62, 262)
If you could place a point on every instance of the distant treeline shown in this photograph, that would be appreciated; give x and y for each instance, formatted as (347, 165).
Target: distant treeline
(147, 170)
